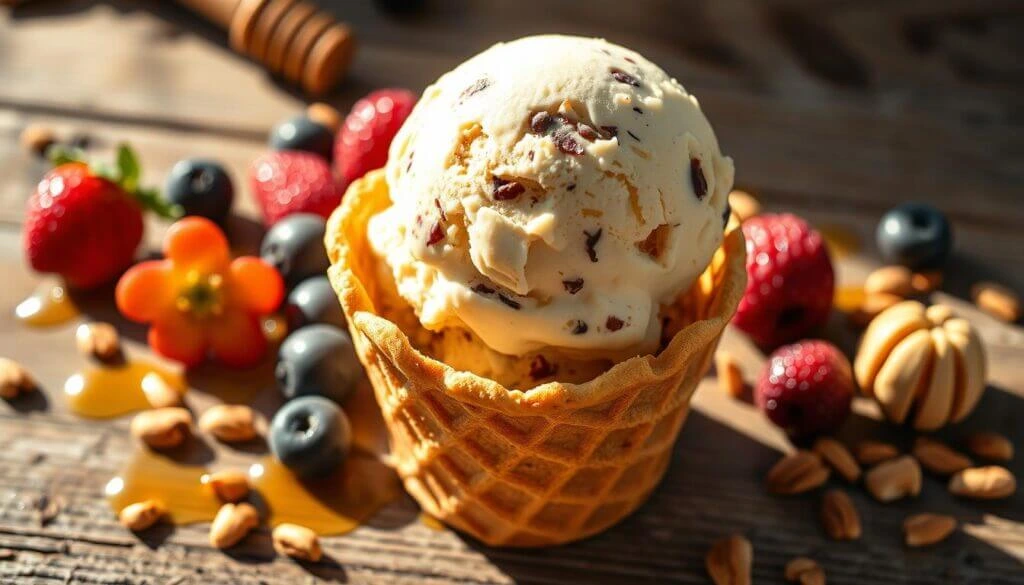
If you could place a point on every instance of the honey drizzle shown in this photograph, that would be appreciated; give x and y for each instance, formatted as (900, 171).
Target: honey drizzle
(109, 391)
(848, 298)
(49, 305)
(336, 504)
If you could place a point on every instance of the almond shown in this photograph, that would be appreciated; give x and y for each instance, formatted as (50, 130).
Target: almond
(229, 486)
(743, 204)
(162, 428)
(804, 571)
(983, 483)
(36, 138)
(872, 306)
(839, 516)
(892, 280)
(297, 542)
(988, 445)
(730, 378)
(926, 282)
(159, 392)
(141, 515)
(927, 529)
(230, 423)
(14, 379)
(894, 479)
(232, 523)
(871, 452)
(938, 458)
(99, 340)
(730, 560)
(797, 473)
(838, 457)
(996, 300)
(325, 115)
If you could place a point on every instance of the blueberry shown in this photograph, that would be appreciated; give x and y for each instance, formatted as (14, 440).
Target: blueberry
(301, 133)
(311, 436)
(314, 301)
(201, 187)
(295, 247)
(317, 360)
(915, 235)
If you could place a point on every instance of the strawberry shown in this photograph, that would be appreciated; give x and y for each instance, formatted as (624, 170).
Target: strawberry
(790, 282)
(363, 141)
(292, 181)
(806, 388)
(85, 222)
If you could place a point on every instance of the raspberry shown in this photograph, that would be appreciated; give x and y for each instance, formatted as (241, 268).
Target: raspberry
(363, 142)
(790, 282)
(806, 388)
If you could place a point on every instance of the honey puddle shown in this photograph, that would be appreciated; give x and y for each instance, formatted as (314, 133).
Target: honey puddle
(109, 391)
(178, 485)
(848, 298)
(49, 305)
(842, 241)
(335, 504)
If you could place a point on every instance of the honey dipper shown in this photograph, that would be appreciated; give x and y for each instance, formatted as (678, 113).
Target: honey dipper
(292, 38)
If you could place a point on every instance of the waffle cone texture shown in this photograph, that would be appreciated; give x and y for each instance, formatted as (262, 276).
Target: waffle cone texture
(544, 466)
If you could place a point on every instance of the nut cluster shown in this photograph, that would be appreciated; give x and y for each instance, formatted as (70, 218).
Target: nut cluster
(924, 366)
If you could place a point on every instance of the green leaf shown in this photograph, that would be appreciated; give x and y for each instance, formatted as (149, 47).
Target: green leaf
(60, 155)
(128, 167)
(153, 201)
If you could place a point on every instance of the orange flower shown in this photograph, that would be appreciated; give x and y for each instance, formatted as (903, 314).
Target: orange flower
(198, 300)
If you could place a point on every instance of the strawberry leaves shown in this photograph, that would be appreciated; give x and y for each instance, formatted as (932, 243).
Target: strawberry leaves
(125, 173)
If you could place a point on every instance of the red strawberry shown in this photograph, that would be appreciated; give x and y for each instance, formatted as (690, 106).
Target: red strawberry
(291, 181)
(806, 388)
(362, 144)
(790, 282)
(85, 223)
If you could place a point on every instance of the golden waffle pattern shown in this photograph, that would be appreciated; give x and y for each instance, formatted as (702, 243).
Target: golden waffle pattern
(544, 466)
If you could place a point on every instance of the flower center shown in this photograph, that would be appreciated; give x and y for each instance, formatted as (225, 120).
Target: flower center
(202, 294)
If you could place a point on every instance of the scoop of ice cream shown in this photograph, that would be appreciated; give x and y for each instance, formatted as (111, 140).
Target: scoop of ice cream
(552, 192)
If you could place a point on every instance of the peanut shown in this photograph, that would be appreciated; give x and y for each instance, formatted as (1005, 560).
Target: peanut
(228, 486)
(895, 479)
(230, 423)
(730, 560)
(99, 340)
(141, 515)
(162, 428)
(232, 523)
(14, 379)
(297, 542)
(996, 300)
(892, 280)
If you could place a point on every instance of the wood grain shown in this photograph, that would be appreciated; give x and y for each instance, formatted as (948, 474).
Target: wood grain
(833, 109)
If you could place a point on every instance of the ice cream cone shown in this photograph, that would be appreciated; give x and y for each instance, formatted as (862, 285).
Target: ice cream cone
(535, 467)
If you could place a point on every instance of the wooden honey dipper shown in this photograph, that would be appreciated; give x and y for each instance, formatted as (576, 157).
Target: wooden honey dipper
(291, 38)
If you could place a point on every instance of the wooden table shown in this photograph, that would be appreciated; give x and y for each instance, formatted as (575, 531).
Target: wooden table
(833, 109)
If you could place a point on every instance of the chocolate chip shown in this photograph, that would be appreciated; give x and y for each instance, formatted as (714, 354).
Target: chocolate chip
(579, 328)
(529, 155)
(541, 122)
(567, 143)
(541, 368)
(612, 131)
(570, 187)
(440, 209)
(477, 86)
(510, 302)
(573, 286)
(592, 239)
(587, 132)
(436, 234)
(633, 135)
(700, 184)
(408, 167)
(629, 60)
(482, 289)
(613, 323)
(638, 110)
(623, 77)
(506, 190)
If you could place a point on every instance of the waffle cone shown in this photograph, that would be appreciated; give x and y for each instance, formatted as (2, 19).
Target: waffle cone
(544, 466)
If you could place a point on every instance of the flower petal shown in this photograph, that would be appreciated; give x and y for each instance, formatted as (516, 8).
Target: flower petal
(255, 285)
(177, 337)
(197, 243)
(145, 291)
(237, 339)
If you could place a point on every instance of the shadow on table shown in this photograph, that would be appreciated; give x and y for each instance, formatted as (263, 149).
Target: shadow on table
(707, 494)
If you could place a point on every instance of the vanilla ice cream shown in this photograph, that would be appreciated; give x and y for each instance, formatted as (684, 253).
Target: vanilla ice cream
(552, 193)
